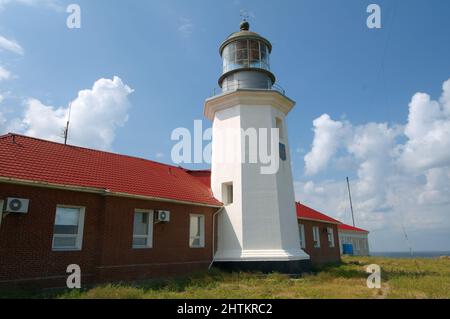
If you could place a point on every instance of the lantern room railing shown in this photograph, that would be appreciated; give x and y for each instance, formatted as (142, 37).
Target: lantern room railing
(243, 85)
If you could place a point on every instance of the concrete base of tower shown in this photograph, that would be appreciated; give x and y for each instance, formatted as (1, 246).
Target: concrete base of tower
(292, 267)
(291, 261)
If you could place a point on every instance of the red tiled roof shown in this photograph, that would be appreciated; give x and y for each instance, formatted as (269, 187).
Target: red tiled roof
(304, 212)
(31, 159)
(203, 176)
(351, 228)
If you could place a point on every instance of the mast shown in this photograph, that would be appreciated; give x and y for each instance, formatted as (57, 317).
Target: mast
(351, 203)
(66, 130)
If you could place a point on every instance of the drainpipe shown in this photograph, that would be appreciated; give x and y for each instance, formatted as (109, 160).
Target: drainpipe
(1, 212)
(214, 236)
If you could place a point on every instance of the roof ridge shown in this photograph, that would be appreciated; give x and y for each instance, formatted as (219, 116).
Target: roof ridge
(88, 149)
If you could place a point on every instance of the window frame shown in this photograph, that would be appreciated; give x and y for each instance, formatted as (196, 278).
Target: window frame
(150, 226)
(330, 232)
(301, 229)
(78, 237)
(316, 232)
(202, 232)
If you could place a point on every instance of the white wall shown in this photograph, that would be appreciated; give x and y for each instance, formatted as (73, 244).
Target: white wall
(359, 241)
(261, 224)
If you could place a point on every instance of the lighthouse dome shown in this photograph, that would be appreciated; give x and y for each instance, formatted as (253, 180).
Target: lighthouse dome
(246, 61)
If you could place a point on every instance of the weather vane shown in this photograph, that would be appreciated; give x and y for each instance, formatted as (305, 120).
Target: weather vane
(244, 15)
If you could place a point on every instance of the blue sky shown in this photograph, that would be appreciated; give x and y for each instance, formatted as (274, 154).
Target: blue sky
(324, 56)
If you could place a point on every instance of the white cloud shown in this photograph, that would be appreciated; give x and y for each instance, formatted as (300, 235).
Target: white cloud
(4, 74)
(1, 98)
(51, 4)
(186, 27)
(327, 136)
(402, 171)
(159, 155)
(428, 132)
(2, 123)
(10, 45)
(96, 114)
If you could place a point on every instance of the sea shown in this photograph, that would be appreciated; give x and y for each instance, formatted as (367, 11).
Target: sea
(415, 254)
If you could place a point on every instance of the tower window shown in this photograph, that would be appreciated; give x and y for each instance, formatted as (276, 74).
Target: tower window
(227, 193)
(283, 155)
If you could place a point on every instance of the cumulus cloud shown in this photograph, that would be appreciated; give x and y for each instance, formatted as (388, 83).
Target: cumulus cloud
(4, 74)
(402, 170)
(96, 115)
(327, 135)
(428, 132)
(2, 123)
(10, 45)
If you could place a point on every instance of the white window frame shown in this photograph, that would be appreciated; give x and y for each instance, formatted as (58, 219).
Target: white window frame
(202, 231)
(301, 229)
(78, 236)
(149, 236)
(316, 236)
(330, 232)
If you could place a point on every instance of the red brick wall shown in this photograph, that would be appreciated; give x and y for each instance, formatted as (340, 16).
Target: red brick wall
(107, 255)
(324, 254)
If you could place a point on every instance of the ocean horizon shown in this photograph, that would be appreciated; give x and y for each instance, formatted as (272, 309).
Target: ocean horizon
(407, 254)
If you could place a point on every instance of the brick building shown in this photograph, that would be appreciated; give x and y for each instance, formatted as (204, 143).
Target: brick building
(97, 210)
(100, 210)
(318, 235)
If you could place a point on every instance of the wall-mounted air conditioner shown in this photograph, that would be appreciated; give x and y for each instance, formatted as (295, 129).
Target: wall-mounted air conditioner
(162, 216)
(17, 205)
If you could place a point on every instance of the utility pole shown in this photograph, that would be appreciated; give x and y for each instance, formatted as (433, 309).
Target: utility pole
(351, 203)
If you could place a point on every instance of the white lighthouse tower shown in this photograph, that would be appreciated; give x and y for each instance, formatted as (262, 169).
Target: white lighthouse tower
(258, 229)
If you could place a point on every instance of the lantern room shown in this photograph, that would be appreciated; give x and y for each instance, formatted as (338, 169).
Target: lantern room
(246, 61)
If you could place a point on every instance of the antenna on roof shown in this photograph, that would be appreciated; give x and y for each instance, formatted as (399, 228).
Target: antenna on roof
(66, 130)
(351, 203)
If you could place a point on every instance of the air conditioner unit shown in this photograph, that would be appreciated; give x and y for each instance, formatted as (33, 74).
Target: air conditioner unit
(162, 216)
(17, 205)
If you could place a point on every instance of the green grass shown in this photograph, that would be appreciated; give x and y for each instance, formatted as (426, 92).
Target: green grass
(401, 278)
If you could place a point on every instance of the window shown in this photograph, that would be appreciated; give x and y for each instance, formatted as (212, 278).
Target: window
(330, 235)
(283, 154)
(301, 229)
(143, 229)
(197, 231)
(227, 193)
(68, 228)
(316, 237)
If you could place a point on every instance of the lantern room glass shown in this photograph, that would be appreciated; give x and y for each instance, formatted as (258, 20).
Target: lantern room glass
(247, 53)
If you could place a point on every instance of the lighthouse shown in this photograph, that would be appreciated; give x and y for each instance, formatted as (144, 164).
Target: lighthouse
(257, 228)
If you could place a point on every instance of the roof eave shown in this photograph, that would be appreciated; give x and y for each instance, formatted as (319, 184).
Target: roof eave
(99, 191)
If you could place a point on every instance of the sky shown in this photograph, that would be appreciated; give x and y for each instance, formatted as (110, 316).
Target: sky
(372, 104)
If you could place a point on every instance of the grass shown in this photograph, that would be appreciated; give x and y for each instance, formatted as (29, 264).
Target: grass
(401, 278)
